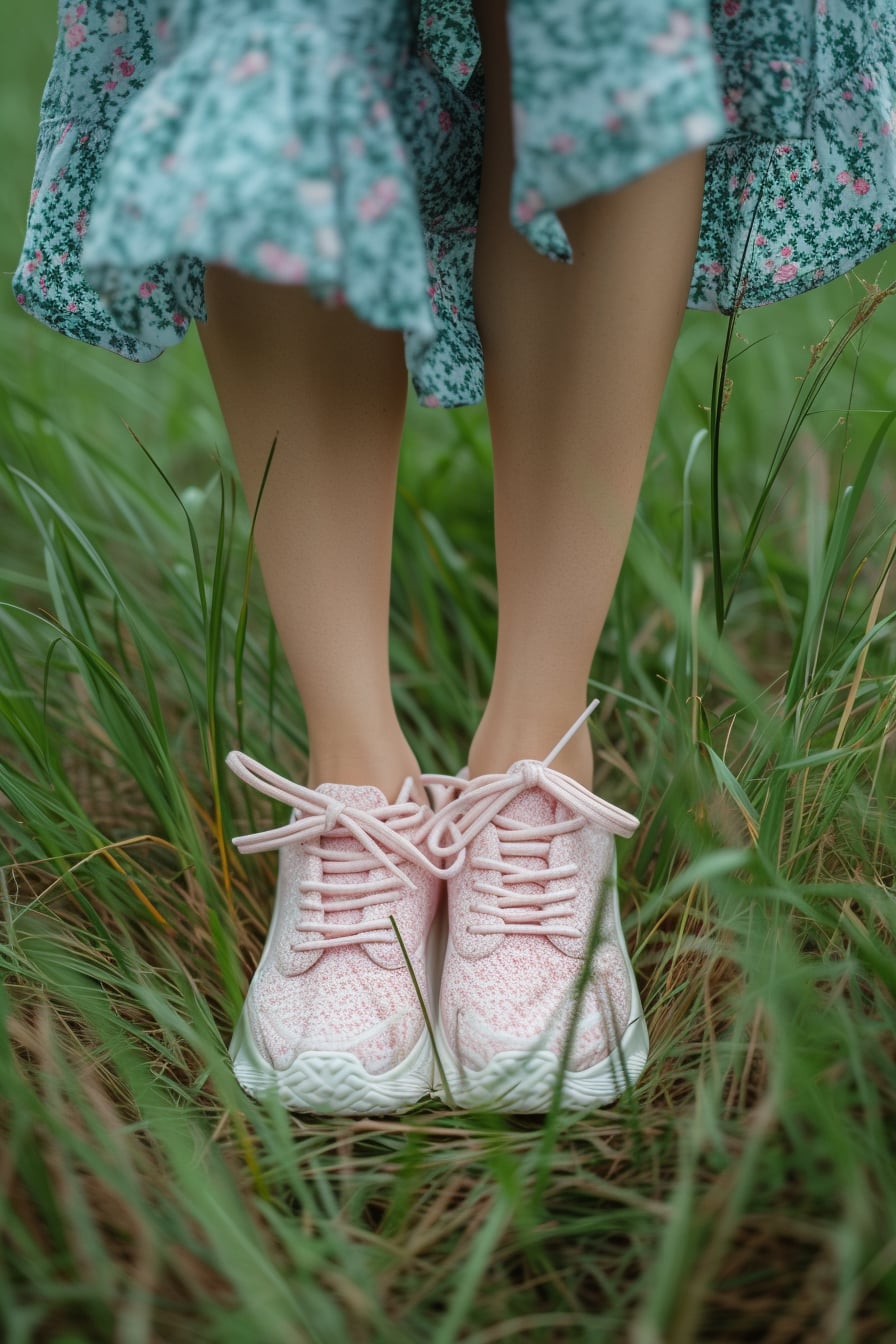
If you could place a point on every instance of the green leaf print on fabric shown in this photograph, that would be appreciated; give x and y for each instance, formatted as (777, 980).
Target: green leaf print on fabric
(338, 145)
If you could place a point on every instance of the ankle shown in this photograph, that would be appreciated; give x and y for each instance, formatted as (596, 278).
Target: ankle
(495, 748)
(363, 763)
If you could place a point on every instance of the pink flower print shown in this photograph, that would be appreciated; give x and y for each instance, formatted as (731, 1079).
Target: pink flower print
(126, 68)
(54, 187)
(63, 258)
(715, 268)
(281, 264)
(379, 200)
(783, 149)
(430, 399)
(844, 177)
(886, 128)
(794, 176)
(868, 82)
(769, 264)
(30, 267)
(786, 83)
(785, 273)
(252, 63)
(731, 8)
(734, 182)
(445, 122)
(38, 255)
(34, 195)
(861, 186)
(529, 206)
(179, 320)
(751, 178)
(65, 130)
(744, 196)
(731, 112)
(81, 223)
(822, 7)
(463, 68)
(20, 299)
(72, 307)
(876, 226)
(75, 36)
(761, 240)
(847, 94)
(563, 144)
(780, 202)
(786, 251)
(118, 22)
(861, 140)
(815, 165)
(110, 84)
(146, 289)
(72, 15)
(676, 35)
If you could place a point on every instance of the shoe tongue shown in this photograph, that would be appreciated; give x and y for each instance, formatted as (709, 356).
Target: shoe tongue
(533, 806)
(355, 795)
(365, 796)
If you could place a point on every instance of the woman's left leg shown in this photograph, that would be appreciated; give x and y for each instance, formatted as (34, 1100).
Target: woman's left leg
(576, 358)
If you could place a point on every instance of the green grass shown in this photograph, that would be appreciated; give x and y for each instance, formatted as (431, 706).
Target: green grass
(746, 1189)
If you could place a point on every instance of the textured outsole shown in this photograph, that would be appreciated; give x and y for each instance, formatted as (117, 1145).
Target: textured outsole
(525, 1081)
(331, 1082)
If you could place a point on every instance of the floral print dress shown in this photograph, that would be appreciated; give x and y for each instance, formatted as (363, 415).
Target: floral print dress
(336, 144)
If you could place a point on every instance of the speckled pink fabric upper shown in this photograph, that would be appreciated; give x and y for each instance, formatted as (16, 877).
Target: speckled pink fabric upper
(317, 987)
(505, 989)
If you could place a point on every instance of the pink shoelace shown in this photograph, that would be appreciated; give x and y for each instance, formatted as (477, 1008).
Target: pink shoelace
(379, 830)
(480, 802)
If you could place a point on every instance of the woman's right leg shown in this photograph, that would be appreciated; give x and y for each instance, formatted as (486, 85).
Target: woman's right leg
(332, 390)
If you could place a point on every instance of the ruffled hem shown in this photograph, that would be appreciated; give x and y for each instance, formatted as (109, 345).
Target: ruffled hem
(348, 222)
(342, 153)
(784, 215)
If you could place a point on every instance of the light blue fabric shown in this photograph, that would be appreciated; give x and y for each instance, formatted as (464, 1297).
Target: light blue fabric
(337, 144)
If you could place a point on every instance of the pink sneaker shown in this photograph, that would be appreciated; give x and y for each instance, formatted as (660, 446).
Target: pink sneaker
(332, 1020)
(540, 868)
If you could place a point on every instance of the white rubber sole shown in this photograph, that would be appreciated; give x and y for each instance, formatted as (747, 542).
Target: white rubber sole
(525, 1081)
(332, 1082)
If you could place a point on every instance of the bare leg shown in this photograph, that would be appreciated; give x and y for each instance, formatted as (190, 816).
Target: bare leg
(576, 360)
(333, 390)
